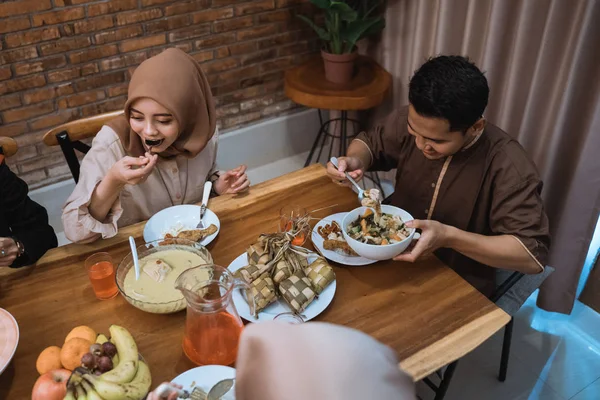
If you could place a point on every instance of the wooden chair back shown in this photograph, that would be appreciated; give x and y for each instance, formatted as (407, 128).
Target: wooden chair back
(69, 137)
(8, 146)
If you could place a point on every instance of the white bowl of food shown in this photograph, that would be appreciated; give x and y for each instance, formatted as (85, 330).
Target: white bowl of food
(181, 221)
(378, 241)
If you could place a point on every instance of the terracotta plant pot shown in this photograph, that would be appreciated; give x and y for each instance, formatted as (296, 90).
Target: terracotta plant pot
(339, 68)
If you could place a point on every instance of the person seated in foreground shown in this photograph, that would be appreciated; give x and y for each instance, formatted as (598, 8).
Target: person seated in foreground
(279, 361)
(472, 189)
(25, 235)
(159, 154)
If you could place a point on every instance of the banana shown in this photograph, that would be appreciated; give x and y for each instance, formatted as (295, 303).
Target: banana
(134, 390)
(123, 373)
(91, 392)
(127, 353)
(81, 395)
(70, 395)
(126, 346)
(101, 338)
(115, 361)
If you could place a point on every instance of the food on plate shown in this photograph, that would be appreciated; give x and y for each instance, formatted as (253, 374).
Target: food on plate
(297, 291)
(196, 235)
(52, 385)
(262, 290)
(48, 360)
(339, 245)
(84, 332)
(320, 274)
(276, 268)
(382, 229)
(72, 351)
(281, 271)
(333, 239)
(102, 378)
(159, 272)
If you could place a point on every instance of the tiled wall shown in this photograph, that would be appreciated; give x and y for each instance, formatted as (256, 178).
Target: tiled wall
(65, 59)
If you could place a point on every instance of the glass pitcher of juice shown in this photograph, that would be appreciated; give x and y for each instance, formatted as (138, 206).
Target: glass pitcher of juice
(213, 325)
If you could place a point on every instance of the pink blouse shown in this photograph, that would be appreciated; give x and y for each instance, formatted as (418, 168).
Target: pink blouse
(173, 181)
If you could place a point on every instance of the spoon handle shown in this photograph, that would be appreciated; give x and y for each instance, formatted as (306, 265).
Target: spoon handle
(134, 255)
(334, 161)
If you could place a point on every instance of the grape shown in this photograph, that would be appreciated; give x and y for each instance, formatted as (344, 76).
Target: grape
(96, 349)
(88, 360)
(109, 349)
(105, 364)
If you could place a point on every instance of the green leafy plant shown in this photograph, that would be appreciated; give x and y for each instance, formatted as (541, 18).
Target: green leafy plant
(346, 23)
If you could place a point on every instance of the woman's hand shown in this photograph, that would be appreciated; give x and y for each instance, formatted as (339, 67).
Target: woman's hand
(155, 396)
(233, 181)
(132, 170)
(8, 252)
(433, 236)
(352, 165)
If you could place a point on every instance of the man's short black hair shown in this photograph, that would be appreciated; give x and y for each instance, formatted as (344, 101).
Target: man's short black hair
(452, 88)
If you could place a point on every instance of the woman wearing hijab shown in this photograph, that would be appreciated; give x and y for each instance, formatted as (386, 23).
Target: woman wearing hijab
(279, 361)
(25, 235)
(159, 154)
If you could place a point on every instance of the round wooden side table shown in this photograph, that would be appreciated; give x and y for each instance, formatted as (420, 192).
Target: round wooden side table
(306, 85)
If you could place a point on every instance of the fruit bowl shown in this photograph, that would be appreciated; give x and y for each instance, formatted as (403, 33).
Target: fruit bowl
(152, 248)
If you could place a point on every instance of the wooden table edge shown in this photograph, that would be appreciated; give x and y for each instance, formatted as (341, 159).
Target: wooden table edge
(444, 351)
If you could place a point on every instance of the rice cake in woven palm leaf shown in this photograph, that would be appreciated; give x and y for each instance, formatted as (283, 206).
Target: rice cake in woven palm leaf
(262, 289)
(297, 291)
(258, 263)
(320, 274)
(281, 271)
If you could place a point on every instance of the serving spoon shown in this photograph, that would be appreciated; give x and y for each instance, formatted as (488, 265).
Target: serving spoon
(361, 192)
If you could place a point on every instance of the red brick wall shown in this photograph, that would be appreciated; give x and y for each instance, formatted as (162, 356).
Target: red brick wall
(61, 60)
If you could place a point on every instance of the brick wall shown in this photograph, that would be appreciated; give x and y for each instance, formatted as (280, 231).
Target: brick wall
(61, 60)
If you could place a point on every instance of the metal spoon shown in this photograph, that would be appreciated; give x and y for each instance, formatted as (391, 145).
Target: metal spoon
(220, 389)
(361, 192)
(205, 196)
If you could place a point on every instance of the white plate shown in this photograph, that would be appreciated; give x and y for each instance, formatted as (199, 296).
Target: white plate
(315, 308)
(9, 338)
(333, 255)
(205, 378)
(187, 216)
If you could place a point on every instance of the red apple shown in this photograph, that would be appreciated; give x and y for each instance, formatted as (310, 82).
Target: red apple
(51, 386)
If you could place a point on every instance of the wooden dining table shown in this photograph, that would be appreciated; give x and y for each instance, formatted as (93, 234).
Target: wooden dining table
(424, 311)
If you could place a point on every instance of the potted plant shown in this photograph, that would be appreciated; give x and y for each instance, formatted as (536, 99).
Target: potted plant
(345, 24)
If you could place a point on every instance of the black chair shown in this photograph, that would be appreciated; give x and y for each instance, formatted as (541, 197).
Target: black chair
(70, 136)
(511, 305)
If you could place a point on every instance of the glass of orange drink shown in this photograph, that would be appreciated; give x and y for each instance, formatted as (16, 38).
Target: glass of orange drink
(101, 271)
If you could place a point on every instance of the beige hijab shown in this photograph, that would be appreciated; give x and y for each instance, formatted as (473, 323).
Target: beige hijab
(278, 361)
(176, 81)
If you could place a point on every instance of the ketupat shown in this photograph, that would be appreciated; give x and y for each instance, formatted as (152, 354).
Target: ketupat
(320, 274)
(297, 291)
(262, 290)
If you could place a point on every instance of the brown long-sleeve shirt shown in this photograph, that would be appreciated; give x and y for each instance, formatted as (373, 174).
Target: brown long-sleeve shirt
(490, 188)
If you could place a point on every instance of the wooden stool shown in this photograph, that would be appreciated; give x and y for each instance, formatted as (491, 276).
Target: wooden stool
(306, 85)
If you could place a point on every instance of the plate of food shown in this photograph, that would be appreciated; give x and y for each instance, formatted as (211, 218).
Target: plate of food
(180, 222)
(9, 338)
(329, 240)
(198, 381)
(282, 278)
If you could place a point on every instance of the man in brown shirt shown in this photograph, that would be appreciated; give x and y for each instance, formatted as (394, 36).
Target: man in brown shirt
(472, 189)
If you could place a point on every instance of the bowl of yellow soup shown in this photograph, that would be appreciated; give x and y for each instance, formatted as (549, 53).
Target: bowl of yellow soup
(161, 263)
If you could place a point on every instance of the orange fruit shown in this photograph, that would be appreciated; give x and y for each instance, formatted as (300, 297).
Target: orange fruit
(72, 351)
(84, 332)
(48, 360)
